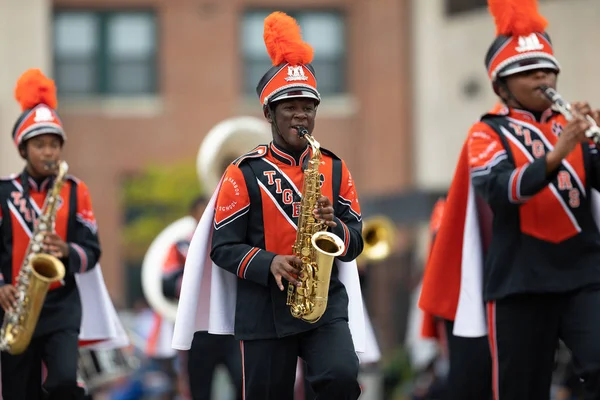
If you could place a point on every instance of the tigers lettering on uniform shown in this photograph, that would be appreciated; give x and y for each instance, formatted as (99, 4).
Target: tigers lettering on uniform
(280, 189)
(532, 142)
(508, 168)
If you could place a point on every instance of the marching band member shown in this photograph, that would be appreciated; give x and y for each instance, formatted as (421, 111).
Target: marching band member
(207, 351)
(469, 375)
(253, 229)
(39, 137)
(536, 172)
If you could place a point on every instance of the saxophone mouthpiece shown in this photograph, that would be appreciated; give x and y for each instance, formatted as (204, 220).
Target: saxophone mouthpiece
(50, 165)
(302, 131)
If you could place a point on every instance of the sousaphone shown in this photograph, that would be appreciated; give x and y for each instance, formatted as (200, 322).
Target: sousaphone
(225, 142)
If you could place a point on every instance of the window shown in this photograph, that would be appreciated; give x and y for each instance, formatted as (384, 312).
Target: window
(324, 30)
(459, 6)
(105, 53)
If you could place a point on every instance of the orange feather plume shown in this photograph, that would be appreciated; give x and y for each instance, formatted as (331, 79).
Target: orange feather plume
(283, 40)
(516, 17)
(34, 88)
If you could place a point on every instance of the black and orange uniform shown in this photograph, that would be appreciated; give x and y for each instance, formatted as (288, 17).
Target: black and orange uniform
(173, 268)
(55, 339)
(20, 206)
(256, 218)
(541, 278)
(207, 351)
(542, 271)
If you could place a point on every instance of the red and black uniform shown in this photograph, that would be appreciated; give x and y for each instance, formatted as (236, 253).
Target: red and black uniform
(207, 351)
(55, 339)
(548, 240)
(256, 216)
(542, 267)
(541, 278)
(173, 268)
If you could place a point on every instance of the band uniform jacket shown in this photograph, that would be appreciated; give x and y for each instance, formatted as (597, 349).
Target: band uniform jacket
(75, 224)
(173, 268)
(256, 218)
(545, 237)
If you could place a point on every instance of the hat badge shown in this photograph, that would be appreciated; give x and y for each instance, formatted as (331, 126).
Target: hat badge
(529, 43)
(43, 114)
(295, 73)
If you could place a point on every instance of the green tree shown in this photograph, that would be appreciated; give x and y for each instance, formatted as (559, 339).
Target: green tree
(153, 199)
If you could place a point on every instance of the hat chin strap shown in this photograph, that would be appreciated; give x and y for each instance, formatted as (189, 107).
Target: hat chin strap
(271, 110)
(502, 82)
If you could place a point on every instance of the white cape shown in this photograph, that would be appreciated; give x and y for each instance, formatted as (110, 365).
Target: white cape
(208, 293)
(99, 317)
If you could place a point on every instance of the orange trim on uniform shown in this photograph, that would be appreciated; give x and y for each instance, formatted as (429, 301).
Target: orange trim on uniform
(245, 261)
(491, 317)
(154, 334)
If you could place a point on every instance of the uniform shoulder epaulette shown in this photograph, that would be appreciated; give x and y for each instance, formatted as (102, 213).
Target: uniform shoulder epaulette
(73, 179)
(258, 152)
(329, 153)
(8, 178)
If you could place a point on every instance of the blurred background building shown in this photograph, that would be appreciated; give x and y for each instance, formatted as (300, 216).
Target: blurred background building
(141, 82)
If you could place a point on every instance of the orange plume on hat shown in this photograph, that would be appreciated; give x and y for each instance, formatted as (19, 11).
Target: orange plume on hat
(516, 17)
(283, 40)
(34, 88)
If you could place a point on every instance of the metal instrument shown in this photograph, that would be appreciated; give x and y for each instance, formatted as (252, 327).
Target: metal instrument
(224, 143)
(38, 271)
(316, 248)
(379, 235)
(565, 109)
(100, 367)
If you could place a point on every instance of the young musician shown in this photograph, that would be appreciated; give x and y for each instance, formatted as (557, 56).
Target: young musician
(254, 227)
(208, 351)
(39, 137)
(536, 171)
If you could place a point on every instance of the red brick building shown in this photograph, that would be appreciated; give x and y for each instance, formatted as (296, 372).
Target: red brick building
(144, 80)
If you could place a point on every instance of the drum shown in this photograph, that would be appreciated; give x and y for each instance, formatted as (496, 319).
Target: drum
(98, 367)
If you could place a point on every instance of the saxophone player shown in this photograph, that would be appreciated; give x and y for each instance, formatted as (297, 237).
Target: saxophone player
(254, 216)
(39, 137)
(536, 171)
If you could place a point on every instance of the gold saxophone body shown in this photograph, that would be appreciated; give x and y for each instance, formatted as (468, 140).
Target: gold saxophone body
(316, 248)
(38, 271)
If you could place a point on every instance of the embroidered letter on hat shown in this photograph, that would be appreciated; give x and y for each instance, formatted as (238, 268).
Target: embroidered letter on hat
(529, 43)
(43, 114)
(296, 73)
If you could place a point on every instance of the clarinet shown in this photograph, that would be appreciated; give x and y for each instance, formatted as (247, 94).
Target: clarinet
(565, 109)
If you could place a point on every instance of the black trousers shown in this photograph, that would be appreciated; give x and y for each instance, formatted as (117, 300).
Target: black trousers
(206, 353)
(524, 332)
(269, 365)
(22, 373)
(470, 373)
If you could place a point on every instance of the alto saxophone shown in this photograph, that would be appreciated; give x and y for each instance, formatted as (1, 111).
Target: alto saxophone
(38, 271)
(316, 248)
